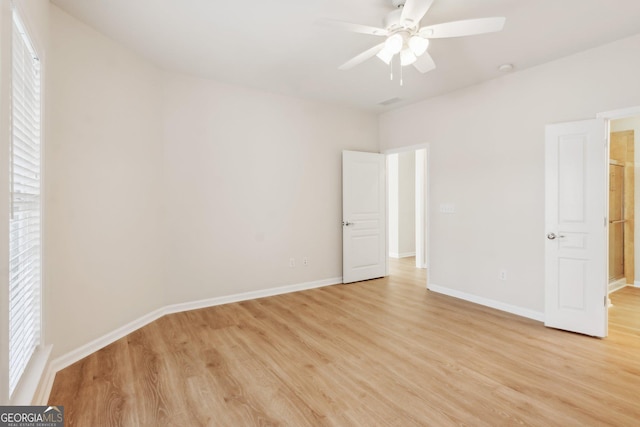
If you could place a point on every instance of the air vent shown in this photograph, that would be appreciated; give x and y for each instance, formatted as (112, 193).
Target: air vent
(390, 101)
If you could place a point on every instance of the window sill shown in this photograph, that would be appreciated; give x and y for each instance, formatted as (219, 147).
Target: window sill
(25, 392)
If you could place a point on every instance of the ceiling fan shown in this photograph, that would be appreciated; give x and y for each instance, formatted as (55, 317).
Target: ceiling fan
(406, 38)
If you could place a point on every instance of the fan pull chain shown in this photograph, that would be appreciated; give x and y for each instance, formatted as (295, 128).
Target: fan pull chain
(400, 74)
(391, 69)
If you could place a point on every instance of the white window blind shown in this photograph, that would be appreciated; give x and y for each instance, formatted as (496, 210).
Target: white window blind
(25, 236)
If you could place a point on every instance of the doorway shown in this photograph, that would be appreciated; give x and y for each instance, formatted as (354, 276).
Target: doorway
(624, 128)
(622, 203)
(365, 206)
(407, 207)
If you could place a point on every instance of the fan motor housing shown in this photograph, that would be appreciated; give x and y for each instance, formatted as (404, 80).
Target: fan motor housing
(398, 3)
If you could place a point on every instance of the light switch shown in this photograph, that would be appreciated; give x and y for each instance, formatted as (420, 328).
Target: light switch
(447, 208)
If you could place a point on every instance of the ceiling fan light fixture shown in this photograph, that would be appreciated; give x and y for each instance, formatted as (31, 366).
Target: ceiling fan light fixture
(418, 45)
(406, 37)
(407, 57)
(385, 55)
(394, 43)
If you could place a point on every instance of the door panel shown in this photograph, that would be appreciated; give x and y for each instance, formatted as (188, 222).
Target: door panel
(573, 276)
(575, 215)
(364, 216)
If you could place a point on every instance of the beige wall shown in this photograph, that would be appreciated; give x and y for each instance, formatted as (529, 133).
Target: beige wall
(492, 168)
(253, 179)
(104, 235)
(163, 189)
(401, 173)
(407, 203)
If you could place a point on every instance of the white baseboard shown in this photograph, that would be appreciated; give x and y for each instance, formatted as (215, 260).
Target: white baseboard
(79, 353)
(401, 255)
(524, 312)
(246, 296)
(616, 285)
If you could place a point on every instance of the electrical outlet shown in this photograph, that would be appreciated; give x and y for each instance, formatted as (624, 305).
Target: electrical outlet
(503, 274)
(292, 262)
(305, 261)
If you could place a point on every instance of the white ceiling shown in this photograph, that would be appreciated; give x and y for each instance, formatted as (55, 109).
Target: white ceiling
(277, 45)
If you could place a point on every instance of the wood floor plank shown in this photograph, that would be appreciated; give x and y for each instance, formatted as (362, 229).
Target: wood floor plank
(381, 352)
(104, 375)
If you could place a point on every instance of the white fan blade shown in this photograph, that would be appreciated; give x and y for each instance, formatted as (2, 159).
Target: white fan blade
(369, 53)
(424, 63)
(413, 11)
(354, 28)
(468, 27)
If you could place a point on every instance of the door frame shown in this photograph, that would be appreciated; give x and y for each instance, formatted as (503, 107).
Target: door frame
(608, 116)
(424, 196)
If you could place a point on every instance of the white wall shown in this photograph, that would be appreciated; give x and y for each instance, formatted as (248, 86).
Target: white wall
(163, 188)
(252, 179)
(401, 172)
(633, 123)
(407, 203)
(492, 168)
(104, 234)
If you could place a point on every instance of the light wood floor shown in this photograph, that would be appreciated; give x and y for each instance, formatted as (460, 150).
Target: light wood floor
(382, 352)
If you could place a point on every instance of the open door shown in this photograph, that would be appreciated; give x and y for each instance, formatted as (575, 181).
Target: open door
(364, 243)
(576, 225)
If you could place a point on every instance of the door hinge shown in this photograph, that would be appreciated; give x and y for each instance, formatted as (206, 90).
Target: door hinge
(606, 301)
(605, 221)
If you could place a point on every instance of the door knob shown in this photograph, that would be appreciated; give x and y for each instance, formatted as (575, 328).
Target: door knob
(552, 236)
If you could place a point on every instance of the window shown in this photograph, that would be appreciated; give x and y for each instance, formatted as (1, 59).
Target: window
(25, 234)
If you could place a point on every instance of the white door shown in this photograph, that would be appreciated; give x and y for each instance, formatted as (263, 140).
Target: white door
(576, 225)
(364, 221)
